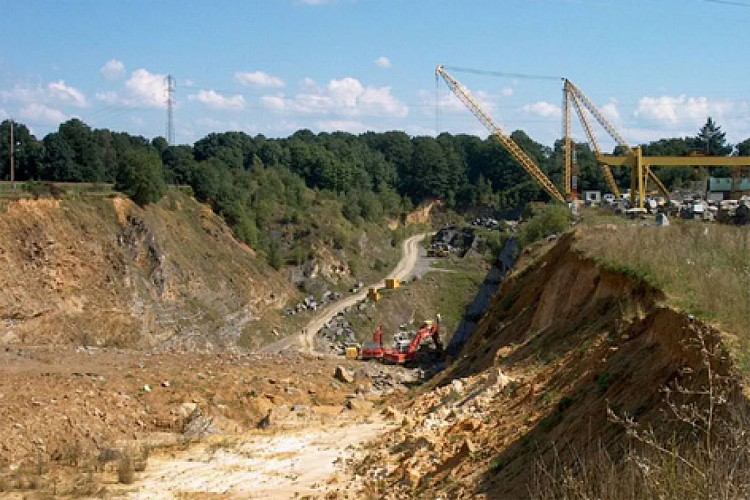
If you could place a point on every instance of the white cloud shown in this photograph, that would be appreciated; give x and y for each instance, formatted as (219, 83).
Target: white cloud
(3, 114)
(310, 84)
(55, 93)
(315, 2)
(213, 100)
(344, 97)
(668, 116)
(142, 90)
(507, 92)
(113, 70)
(258, 79)
(610, 111)
(146, 89)
(188, 82)
(447, 101)
(673, 110)
(65, 94)
(543, 108)
(108, 97)
(274, 103)
(383, 62)
(40, 113)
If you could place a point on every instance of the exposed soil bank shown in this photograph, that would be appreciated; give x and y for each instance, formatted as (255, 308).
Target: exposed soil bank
(563, 340)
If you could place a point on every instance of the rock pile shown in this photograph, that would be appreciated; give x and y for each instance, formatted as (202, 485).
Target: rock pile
(338, 334)
(453, 240)
(311, 304)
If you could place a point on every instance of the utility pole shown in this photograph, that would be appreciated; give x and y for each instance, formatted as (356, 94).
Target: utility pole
(12, 162)
(171, 83)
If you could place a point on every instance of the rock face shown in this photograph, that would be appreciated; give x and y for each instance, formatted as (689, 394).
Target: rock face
(343, 375)
(107, 272)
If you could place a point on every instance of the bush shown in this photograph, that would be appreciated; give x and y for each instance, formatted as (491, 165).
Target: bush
(141, 177)
(545, 221)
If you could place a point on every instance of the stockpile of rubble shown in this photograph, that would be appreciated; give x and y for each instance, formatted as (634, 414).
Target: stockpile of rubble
(452, 240)
(311, 304)
(337, 334)
(486, 222)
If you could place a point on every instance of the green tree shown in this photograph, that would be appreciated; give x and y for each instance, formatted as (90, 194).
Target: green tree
(72, 154)
(711, 140)
(28, 152)
(140, 176)
(179, 164)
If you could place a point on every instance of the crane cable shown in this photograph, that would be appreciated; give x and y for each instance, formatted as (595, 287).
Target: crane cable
(503, 74)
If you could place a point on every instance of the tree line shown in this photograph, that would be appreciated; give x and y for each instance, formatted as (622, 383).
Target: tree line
(252, 180)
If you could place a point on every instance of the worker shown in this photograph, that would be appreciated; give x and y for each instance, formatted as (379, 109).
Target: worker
(377, 336)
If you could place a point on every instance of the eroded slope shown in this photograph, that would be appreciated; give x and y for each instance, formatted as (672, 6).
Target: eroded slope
(106, 272)
(563, 341)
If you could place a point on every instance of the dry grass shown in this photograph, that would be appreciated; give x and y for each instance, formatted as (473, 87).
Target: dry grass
(704, 269)
(704, 453)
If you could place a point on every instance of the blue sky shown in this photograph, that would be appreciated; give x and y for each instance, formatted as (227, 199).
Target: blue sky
(657, 68)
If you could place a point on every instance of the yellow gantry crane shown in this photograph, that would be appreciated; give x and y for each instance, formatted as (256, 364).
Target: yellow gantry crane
(505, 141)
(581, 102)
(640, 166)
(574, 97)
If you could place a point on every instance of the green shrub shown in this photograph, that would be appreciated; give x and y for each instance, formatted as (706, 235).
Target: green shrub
(545, 221)
(140, 176)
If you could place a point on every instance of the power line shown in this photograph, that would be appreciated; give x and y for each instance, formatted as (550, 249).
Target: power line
(729, 2)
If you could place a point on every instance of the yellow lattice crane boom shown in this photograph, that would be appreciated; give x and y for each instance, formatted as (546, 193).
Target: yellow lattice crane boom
(505, 141)
(579, 100)
(568, 158)
(639, 164)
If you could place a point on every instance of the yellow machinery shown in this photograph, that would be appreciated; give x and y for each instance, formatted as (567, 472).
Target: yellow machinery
(392, 283)
(640, 165)
(573, 97)
(505, 141)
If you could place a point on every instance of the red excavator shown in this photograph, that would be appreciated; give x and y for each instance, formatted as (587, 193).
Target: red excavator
(404, 348)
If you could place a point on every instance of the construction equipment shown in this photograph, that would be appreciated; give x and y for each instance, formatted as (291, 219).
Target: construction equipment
(640, 165)
(405, 347)
(505, 141)
(374, 349)
(373, 294)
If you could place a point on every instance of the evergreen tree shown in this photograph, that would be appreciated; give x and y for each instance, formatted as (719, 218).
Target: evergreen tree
(711, 140)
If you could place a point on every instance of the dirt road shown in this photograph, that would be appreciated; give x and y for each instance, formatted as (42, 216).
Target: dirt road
(304, 340)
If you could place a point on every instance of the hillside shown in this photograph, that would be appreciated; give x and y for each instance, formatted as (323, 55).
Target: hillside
(566, 340)
(103, 271)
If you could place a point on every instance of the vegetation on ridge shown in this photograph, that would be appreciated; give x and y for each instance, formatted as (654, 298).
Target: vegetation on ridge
(703, 269)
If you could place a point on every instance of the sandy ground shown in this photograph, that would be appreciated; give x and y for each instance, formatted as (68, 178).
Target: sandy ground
(269, 466)
(304, 341)
(272, 466)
